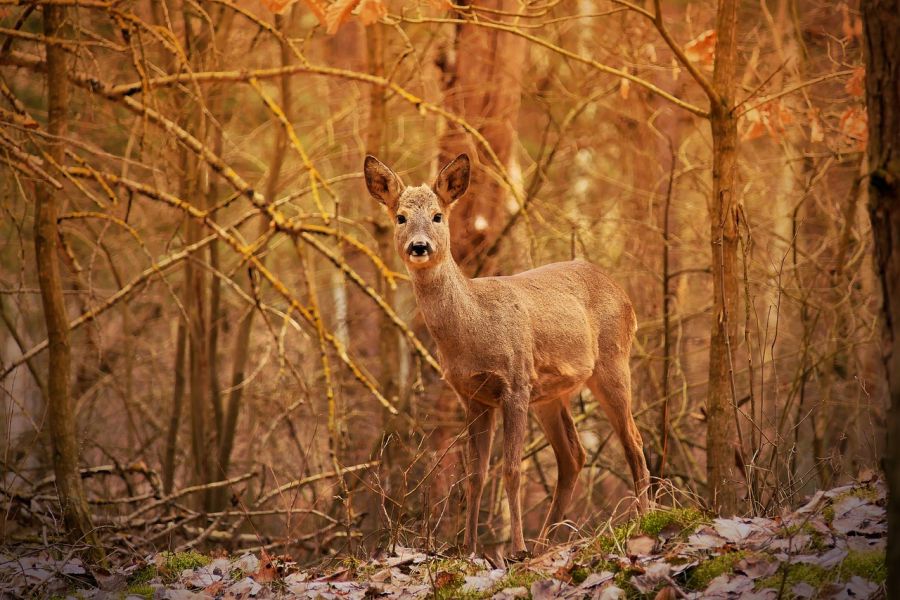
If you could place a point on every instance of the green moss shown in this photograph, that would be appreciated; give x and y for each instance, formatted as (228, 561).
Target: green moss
(173, 565)
(828, 514)
(143, 590)
(579, 573)
(514, 578)
(622, 579)
(870, 566)
(652, 524)
(686, 518)
(518, 578)
(866, 493)
(445, 590)
(142, 575)
(792, 574)
(818, 542)
(448, 565)
(607, 544)
(712, 568)
(185, 560)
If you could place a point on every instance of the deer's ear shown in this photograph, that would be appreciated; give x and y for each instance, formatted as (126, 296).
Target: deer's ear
(383, 184)
(453, 180)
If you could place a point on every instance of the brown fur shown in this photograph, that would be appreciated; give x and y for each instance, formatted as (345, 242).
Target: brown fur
(531, 340)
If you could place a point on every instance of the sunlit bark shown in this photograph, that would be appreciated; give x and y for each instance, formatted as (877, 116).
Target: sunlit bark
(882, 55)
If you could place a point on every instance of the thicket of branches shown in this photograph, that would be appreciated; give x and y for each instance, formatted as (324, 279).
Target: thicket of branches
(247, 366)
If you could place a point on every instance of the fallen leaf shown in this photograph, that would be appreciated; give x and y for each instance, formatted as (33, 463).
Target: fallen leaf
(267, 571)
(791, 544)
(612, 593)
(733, 530)
(213, 590)
(405, 555)
(813, 503)
(756, 567)
(828, 560)
(706, 539)
(595, 579)
(483, 581)
(640, 545)
(548, 589)
(248, 563)
(867, 519)
(839, 491)
(444, 579)
(858, 587)
(728, 586)
(803, 590)
(667, 593)
(860, 543)
(651, 578)
(511, 593)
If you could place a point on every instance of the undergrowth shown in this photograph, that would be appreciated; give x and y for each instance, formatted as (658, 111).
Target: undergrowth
(868, 565)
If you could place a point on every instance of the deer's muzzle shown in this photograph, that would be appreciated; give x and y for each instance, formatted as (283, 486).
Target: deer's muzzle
(419, 250)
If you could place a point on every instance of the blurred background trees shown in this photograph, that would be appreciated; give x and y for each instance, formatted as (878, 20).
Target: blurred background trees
(247, 364)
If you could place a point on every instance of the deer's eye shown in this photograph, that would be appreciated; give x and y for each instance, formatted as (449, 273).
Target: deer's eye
(401, 219)
(438, 218)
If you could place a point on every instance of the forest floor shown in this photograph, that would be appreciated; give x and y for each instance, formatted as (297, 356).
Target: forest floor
(832, 547)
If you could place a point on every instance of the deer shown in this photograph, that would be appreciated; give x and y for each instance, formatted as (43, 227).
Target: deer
(510, 344)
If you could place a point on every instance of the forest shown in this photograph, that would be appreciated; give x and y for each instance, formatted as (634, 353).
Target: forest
(224, 374)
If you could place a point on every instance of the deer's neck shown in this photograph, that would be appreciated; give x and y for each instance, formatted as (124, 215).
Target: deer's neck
(445, 298)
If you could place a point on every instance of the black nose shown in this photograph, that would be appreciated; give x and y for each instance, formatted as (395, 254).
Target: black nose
(418, 248)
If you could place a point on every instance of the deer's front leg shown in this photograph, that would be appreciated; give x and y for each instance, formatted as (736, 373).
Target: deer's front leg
(480, 419)
(515, 422)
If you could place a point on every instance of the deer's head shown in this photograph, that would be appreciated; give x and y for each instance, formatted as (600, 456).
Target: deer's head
(420, 214)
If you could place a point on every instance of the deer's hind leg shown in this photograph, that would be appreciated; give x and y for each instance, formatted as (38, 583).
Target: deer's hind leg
(611, 385)
(556, 420)
(480, 420)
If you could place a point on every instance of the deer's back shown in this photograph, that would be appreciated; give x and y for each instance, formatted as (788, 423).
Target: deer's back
(567, 316)
(557, 288)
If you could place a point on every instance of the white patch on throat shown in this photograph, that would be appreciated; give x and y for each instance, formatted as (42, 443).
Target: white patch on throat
(480, 223)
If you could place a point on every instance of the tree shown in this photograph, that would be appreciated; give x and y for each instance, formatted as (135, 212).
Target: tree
(723, 216)
(486, 90)
(63, 435)
(881, 20)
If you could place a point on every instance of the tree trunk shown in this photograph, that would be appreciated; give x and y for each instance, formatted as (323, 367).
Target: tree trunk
(881, 20)
(485, 89)
(46, 240)
(722, 476)
(196, 298)
(175, 416)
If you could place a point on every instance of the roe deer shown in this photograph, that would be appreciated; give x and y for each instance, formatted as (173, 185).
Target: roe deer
(531, 340)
